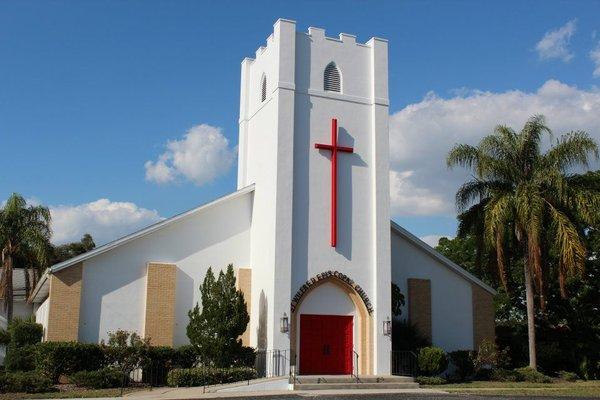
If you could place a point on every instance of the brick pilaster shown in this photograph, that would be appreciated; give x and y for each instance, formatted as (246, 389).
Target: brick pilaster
(64, 304)
(161, 291)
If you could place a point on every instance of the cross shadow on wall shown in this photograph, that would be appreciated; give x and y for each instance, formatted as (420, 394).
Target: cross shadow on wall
(345, 212)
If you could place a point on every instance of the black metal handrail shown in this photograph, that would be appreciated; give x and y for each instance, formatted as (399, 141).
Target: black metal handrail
(355, 366)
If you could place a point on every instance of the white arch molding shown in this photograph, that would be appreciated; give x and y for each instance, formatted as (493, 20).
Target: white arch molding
(342, 298)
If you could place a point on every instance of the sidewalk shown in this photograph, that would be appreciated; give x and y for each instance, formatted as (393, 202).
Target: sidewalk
(268, 387)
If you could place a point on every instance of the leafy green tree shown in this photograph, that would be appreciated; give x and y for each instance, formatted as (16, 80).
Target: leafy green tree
(215, 329)
(523, 194)
(397, 300)
(69, 250)
(25, 240)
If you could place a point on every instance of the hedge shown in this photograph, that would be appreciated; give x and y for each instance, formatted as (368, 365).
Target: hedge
(65, 358)
(432, 361)
(101, 379)
(22, 338)
(209, 376)
(29, 382)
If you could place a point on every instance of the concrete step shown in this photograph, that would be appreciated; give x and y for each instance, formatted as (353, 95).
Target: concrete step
(320, 379)
(352, 386)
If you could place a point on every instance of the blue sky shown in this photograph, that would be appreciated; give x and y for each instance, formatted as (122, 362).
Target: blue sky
(92, 91)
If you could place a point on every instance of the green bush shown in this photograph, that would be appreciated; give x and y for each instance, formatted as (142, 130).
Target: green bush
(430, 380)
(53, 359)
(567, 376)
(529, 374)
(209, 376)
(20, 353)
(29, 382)
(463, 362)
(4, 337)
(432, 361)
(25, 332)
(99, 379)
(407, 337)
(505, 375)
(185, 356)
(20, 358)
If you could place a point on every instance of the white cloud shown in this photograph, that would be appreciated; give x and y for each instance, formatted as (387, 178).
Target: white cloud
(105, 220)
(408, 199)
(432, 240)
(555, 44)
(200, 156)
(595, 56)
(421, 135)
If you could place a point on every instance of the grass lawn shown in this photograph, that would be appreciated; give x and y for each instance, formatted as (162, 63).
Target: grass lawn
(66, 394)
(579, 388)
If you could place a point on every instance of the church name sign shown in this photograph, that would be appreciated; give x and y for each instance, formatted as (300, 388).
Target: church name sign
(328, 274)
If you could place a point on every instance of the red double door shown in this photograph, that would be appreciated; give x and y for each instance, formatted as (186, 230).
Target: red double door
(326, 344)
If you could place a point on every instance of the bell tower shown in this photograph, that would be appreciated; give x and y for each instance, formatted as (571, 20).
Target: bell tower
(314, 140)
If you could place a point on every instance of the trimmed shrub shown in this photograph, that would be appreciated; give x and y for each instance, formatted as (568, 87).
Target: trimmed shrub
(20, 358)
(20, 352)
(505, 375)
(24, 332)
(100, 379)
(463, 362)
(185, 356)
(209, 376)
(430, 380)
(29, 382)
(53, 359)
(529, 374)
(567, 376)
(432, 361)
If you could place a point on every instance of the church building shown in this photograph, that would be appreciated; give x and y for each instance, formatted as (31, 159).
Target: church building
(308, 230)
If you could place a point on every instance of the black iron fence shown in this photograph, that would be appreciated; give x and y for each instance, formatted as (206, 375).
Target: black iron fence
(267, 363)
(271, 363)
(403, 363)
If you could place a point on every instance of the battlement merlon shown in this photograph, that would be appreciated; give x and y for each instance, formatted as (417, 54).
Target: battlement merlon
(315, 34)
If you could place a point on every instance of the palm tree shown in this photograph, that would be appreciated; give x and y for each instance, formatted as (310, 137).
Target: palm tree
(519, 193)
(25, 242)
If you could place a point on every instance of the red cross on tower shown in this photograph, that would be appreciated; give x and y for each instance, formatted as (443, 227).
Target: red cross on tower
(334, 148)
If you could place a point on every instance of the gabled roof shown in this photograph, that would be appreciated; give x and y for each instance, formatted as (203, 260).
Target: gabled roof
(439, 257)
(39, 294)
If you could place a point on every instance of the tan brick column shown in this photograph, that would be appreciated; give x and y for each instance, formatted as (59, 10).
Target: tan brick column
(243, 283)
(419, 305)
(483, 316)
(161, 290)
(64, 303)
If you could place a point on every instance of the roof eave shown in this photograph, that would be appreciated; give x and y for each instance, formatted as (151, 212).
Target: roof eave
(444, 260)
(147, 230)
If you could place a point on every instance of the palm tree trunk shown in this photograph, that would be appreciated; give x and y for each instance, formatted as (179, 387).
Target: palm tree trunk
(530, 315)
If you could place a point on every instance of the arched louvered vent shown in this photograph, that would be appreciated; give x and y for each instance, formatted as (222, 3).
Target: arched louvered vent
(332, 81)
(263, 89)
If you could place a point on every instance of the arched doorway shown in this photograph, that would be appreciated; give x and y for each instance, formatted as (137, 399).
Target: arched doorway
(331, 322)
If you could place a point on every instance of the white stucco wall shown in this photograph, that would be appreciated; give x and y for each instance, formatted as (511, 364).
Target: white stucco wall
(451, 303)
(41, 314)
(114, 283)
(363, 241)
(292, 200)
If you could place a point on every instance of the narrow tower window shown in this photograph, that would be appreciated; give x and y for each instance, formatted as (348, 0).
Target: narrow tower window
(263, 89)
(332, 81)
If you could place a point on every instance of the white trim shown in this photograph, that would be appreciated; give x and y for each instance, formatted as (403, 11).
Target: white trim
(445, 261)
(128, 238)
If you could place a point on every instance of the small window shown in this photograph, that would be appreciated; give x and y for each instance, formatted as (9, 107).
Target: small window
(263, 89)
(332, 81)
